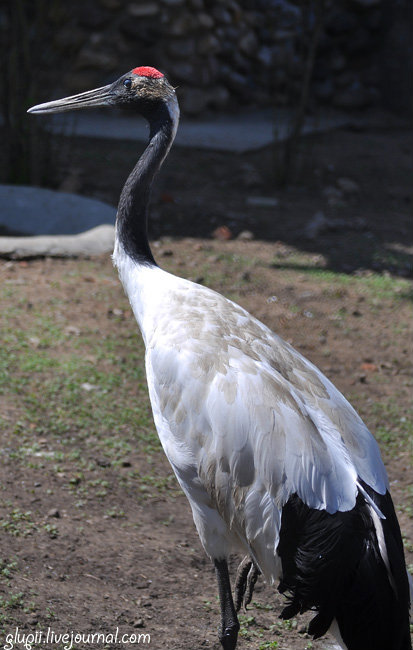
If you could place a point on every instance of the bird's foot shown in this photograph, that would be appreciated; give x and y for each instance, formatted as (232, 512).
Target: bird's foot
(247, 575)
(229, 636)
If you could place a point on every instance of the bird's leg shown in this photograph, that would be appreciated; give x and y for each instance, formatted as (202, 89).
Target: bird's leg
(229, 621)
(247, 576)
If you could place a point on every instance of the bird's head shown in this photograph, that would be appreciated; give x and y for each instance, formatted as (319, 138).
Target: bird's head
(142, 88)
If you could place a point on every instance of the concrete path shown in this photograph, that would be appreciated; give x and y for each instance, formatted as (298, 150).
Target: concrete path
(239, 132)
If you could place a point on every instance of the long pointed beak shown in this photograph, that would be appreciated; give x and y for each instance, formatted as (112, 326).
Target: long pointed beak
(91, 98)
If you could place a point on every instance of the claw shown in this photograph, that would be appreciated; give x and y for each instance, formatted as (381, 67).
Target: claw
(247, 576)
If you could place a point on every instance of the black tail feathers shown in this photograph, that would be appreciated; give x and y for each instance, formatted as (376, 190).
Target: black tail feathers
(333, 564)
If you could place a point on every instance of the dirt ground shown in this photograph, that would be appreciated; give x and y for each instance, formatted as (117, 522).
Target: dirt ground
(94, 533)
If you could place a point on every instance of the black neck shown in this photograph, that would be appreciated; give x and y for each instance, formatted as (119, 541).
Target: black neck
(132, 216)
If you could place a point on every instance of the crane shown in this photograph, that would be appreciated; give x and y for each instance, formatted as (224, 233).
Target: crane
(274, 461)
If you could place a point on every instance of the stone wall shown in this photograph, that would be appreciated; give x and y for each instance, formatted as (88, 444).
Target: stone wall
(224, 54)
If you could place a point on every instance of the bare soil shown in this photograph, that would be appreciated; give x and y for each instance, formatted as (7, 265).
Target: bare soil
(136, 563)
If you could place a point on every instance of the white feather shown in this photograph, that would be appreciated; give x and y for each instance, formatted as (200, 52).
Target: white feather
(244, 419)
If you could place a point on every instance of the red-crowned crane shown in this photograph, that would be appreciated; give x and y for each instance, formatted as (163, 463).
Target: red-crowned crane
(273, 459)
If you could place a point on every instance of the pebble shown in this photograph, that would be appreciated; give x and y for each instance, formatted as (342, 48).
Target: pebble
(246, 235)
(140, 10)
(347, 185)
(223, 233)
(263, 201)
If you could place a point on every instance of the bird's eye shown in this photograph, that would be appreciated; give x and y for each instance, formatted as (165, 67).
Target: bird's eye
(128, 83)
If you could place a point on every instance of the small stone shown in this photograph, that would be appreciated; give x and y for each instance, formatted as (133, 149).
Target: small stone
(72, 330)
(223, 233)
(222, 15)
(332, 192)
(140, 10)
(205, 20)
(183, 48)
(208, 44)
(88, 387)
(347, 185)
(248, 44)
(53, 512)
(193, 101)
(182, 71)
(262, 201)
(139, 623)
(316, 225)
(182, 25)
(246, 235)
(264, 56)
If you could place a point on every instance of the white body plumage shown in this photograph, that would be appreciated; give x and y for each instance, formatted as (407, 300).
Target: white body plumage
(244, 419)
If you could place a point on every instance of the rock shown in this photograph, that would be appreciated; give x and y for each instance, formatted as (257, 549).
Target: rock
(53, 512)
(88, 387)
(143, 9)
(218, 97)
(246, 235)
(235, 81)
(193, 101)
(331, 191)
(222, 15)
(205, 21)
(264, 56)
(182, 25)
(208, 44)
(262, 201)
(35, 211)
(181, 71)
(182, 48)
(316, 225)
(249, 44)
(223, 233)
(347, 185)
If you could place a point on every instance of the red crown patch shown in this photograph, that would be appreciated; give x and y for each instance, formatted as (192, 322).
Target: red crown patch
(147, 71)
